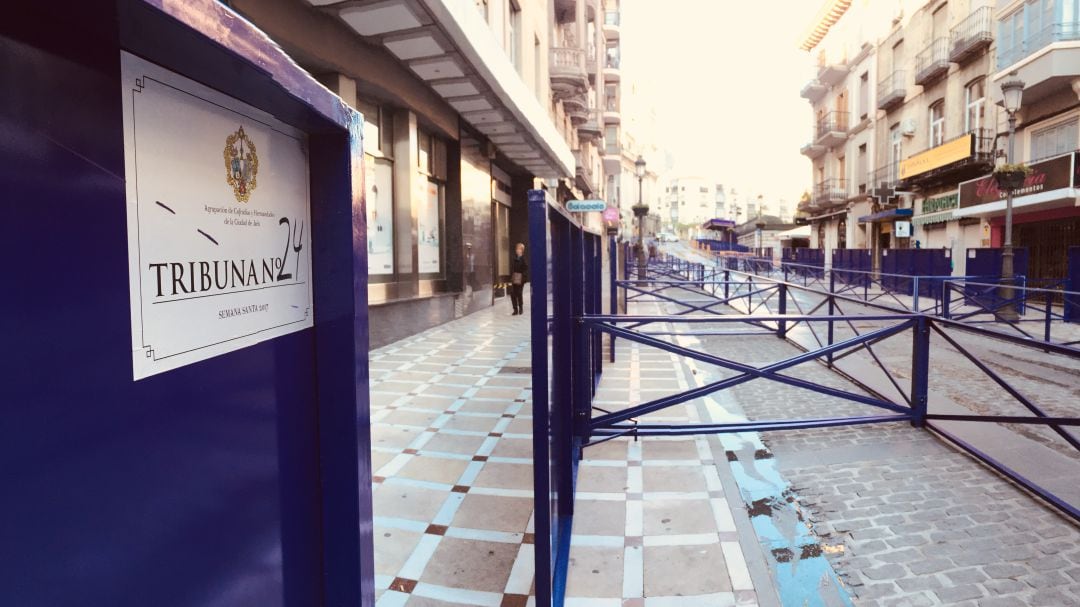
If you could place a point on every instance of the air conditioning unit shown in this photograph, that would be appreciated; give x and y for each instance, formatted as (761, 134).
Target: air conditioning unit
(907, 127)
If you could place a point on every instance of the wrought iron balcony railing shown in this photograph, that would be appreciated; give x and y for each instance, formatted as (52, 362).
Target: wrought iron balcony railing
(932, 62)
(971, 35)
(891, 90)
(833, 122)
(830, 191)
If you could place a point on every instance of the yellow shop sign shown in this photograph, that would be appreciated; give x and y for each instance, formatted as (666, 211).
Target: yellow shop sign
(937, 157)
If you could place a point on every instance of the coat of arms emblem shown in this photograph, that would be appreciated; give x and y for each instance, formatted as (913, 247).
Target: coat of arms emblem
(241, 164)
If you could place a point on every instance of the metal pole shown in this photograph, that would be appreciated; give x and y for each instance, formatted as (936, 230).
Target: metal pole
(1008, 312)
(613, 299)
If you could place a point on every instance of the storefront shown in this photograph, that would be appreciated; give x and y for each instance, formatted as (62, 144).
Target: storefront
(888, 229)
(936, 226)
(1046, 213)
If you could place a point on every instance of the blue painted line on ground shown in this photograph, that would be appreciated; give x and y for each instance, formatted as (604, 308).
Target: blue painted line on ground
(803, 576)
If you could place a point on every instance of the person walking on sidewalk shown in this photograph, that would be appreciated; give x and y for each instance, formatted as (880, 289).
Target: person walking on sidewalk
(519, 275)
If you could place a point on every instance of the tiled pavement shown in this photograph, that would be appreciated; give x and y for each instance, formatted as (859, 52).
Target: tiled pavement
(452, 464)
(451, 450)
(652, 523)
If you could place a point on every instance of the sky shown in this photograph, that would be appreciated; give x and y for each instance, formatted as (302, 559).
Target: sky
(724, 77)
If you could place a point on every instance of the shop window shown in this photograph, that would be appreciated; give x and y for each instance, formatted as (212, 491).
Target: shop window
(379, 189)
(431, 174)
(379, 178)
(841, 233)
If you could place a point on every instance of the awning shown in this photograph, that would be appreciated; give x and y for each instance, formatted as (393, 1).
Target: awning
(932, 218)
(799, 232)
(889, 215)
(718, 224)
(827, 215)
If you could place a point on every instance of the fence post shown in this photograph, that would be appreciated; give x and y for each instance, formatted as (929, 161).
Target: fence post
(946, 295)
(832, 310)
(781, 326)
(915, 294)
(920, 371)
(613, 299)
(1046, 333)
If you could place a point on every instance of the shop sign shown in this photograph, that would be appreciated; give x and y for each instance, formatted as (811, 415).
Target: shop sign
(941, 203)
(937, 157)
(1048, 175)
(903, 229)
(219, 221)
(585, 206)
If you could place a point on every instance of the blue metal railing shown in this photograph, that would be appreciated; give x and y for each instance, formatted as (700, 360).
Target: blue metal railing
(706, 300)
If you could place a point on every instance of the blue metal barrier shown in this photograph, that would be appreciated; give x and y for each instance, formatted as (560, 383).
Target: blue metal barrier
(240, 478)
(718, 301)
(563, 385)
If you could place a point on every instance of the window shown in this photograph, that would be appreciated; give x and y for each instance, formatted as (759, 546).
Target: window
(895, 148)
(424, 156)
(862, 169)
(975, 105)
(1054, 140)
(613, 56)
(379, 186)
(841, 233)
(513, 34)
(864, 95)
(611, 139)
(937, 124)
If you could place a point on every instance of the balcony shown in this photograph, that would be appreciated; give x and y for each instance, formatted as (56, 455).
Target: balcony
(965, 157)
(812, 150)
(971, 35)
(568, 74)
(593, 127)
(833, 73)
(885, 176)
(1045, 60)
(611, 111)
(831, 129)
(829, 192)
(1036, 41)
(933, 62)
(813, 91)
(583, 173)
(611, 25)
(577, 108)
(891, 90)
(611, 68)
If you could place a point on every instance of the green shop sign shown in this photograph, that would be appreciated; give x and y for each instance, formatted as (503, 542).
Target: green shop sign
(944, 203)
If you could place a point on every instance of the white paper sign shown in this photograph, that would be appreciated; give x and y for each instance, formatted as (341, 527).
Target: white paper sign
(219, 221)
(427, 226)
(379, 175)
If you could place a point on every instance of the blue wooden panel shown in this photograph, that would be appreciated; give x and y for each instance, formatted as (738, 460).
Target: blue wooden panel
(1072, 302)
(215, 483)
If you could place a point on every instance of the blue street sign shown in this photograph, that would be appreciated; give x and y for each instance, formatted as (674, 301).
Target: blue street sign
(585, 206)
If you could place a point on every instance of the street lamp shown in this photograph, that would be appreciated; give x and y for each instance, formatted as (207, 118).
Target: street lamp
(1013, 93)
(640, 211)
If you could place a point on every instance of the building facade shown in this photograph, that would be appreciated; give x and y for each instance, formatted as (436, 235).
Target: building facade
(938, 128)
(1038, 43)
(917, 107)
(468, 105)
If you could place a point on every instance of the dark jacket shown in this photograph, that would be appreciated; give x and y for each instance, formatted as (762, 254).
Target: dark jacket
(518, 265)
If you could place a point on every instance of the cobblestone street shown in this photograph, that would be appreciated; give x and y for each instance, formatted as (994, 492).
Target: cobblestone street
(905, 519)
